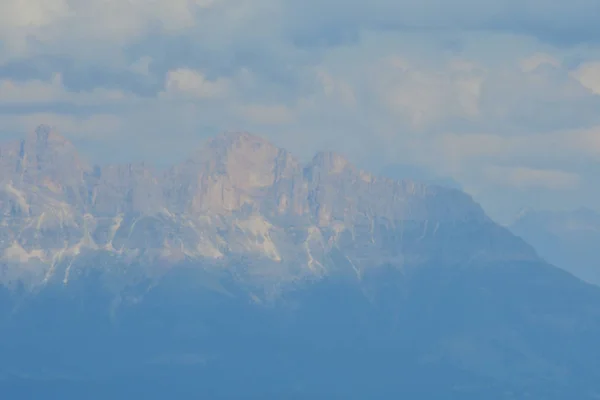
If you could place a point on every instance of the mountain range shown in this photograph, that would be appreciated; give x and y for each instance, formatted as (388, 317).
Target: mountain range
(244, 273)
(236, 197)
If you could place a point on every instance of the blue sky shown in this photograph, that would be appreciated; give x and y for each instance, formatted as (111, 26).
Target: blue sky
(502, 96)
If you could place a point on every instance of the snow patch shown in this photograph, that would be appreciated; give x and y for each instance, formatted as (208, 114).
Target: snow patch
(116, 224)
(17, 253)
(258, 229)
(18, 195)
(314, 234)
(208, 249)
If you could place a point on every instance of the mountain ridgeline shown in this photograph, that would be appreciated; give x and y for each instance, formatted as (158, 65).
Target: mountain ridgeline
(242, 273)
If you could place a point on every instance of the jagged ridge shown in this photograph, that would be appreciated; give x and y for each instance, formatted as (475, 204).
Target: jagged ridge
(237, 197)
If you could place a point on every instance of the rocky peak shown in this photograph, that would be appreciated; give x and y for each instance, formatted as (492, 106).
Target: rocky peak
(40, 172)
(45, 140)
(45, 136)
(231, 170)
(245, 158)
(330, 162)
(47, 154)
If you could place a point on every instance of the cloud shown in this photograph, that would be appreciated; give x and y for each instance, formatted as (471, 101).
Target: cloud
(585, 142)
(32, 14)
(426, 96)
(266, 114)
(239, 31)
(472, 89)
(113, 20)
(530, 64)
(32, 91)
(53, 91)
(336, 88)
(458, 152)
(530, 178)
(588, 74)
(109, 31)
(187, 82)
(20, 21)
(335, 21)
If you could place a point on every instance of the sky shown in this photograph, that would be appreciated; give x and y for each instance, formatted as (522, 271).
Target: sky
(501, 96)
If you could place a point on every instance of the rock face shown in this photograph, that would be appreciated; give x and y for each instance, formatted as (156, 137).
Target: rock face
(243, 274)
(568, 239)
(237, 197)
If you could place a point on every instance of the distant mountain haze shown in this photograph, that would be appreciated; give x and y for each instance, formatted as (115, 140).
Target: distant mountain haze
(568, 239)
(242, 273)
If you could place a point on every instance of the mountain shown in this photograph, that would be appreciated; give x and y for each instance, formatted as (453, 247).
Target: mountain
(236, 197)
(242, 273)
(568, 239)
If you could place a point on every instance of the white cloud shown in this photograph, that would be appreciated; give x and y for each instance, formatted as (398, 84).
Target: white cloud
(426, 96)
(336, 88)
(188, 82)
(93, 28)
(24, 20)
(585, 143)
(31, 14)
(588, 74)
(31, 91)
(536, 60)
